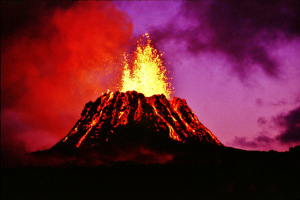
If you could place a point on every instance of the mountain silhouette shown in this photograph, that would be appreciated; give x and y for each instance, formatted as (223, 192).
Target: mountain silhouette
(128, 146)
(130, 122)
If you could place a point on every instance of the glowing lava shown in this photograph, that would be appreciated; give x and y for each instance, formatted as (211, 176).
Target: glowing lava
(142, 108)
(133, 113)
(148, 74)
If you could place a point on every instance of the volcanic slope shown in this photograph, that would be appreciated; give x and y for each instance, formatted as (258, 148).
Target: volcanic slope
(131, 118)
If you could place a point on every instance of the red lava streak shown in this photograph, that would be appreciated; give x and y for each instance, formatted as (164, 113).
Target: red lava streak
(113, 111)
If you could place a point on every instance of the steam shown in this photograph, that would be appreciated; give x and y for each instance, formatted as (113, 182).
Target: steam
(52, 63)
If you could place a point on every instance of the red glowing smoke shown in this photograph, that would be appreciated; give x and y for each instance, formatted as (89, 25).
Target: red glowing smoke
(52, 67)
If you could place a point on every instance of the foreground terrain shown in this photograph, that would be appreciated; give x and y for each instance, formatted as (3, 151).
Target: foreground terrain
(215, 174)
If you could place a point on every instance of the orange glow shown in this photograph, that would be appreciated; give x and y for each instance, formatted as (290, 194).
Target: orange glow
(172, 132)
(91, 126)
(113, 110)
(139, 111)
(148, 74)
(96, 118)
(65, 139)
(188, 127)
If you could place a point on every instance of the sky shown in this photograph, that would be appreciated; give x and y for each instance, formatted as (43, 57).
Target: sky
(237, 64)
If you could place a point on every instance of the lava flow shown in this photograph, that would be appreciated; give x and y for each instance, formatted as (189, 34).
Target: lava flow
(140, 112)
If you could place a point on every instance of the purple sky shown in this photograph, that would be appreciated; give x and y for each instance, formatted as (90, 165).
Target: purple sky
(239, 99)
(237, 63)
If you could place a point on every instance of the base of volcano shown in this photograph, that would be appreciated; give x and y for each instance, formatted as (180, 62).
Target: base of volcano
(226, 173)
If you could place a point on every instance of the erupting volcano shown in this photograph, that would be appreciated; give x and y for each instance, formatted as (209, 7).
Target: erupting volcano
(140, 114)
(117, 113)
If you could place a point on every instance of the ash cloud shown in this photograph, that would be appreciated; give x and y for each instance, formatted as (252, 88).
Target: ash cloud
(242, 141)
(291, 123)
(53, 58)
(290, 135)
(241, 30)
(259, 141)
(262, 121)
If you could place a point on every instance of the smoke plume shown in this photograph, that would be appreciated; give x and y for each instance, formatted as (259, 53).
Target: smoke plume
(54, 58)
(243, 31)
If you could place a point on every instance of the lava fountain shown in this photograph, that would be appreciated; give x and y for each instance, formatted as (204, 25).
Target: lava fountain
(148, 74)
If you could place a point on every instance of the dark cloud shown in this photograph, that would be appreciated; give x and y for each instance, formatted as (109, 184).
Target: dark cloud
(242, 30)
(243, 142)
(21, 15)
(291, 123)
(261, 121)
(264, 139)
(258, 142)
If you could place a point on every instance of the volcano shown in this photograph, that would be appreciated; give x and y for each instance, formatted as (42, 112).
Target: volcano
(150, 148)
(129, 119)
(138, 119)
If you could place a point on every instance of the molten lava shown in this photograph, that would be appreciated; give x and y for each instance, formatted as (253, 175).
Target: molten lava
(148, 74)
(140, 114)
(132, 113)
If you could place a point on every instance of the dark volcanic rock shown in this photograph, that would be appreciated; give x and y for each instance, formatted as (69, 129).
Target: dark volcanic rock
(132, 117)
(129, 126)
